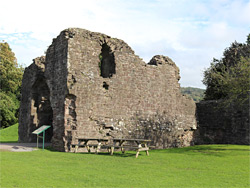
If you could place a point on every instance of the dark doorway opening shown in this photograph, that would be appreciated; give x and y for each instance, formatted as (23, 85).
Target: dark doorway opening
(41, 111)
(107, 62)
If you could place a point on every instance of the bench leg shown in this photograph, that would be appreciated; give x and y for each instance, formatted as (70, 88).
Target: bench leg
(98, 148)
(137, 153)
(112, 150)
(76, 147)
(88, 148)
(147, 150)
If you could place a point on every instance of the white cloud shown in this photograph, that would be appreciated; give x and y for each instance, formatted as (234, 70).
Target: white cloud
(190, 32)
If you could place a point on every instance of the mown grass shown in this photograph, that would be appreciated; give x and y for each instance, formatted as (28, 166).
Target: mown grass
(196, 166)
(9, 134)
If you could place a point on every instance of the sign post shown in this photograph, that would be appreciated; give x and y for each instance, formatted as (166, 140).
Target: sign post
(41, 129)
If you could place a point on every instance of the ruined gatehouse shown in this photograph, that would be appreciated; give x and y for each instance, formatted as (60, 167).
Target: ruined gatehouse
(92, 85)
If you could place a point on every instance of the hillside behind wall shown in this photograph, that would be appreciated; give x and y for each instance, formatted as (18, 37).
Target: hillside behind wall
(220, 125)
(98, 87)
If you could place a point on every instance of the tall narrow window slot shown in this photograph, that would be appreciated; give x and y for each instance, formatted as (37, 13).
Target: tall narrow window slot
(107, 62)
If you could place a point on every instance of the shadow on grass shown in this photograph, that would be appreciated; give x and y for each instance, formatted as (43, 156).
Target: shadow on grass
(8, 141)
(115, 154)
(119, 154)
(213, 150)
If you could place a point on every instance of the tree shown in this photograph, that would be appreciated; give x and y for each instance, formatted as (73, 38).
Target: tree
(228, 78)
(10, 79)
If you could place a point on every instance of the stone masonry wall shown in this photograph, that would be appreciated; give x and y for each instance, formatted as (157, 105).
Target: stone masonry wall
(27, 117)
(52, 71)
(218, 125)
(105, 106)
(98, 86)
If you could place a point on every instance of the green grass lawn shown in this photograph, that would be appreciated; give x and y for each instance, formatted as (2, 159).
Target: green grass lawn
(197, 166)
(9, 134)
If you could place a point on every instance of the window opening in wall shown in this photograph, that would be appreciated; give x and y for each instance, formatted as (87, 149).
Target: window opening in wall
(105, 85)
(107, 64)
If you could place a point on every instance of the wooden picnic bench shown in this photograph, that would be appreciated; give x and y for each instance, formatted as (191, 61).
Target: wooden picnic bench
(116, 143)
(84, 142)
(134, 144)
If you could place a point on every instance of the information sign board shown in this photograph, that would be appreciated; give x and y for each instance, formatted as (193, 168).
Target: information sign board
(41, 129)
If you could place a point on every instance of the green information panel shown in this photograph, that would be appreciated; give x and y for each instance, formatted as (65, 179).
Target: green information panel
(41, 129)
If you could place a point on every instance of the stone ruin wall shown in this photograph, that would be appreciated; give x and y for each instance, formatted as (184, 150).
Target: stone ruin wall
(220, 125)
(45, 75)
(97, 87)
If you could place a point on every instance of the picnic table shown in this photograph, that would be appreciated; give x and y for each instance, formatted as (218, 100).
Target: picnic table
(112, 144)
(124, 143)
(84, 142)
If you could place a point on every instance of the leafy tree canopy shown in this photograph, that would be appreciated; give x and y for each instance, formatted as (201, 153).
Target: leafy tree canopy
(10, 79)
(228, 78)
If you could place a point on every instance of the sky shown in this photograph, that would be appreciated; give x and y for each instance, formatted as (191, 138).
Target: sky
(190, 32)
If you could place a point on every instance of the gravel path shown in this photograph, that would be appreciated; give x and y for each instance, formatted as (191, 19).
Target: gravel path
(20, 147)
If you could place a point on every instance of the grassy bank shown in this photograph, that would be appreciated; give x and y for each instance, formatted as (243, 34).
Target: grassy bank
(9, 134)
(197, 166)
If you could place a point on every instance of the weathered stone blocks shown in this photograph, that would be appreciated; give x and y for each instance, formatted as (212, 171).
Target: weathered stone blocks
(95, 86)
(220, 124)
